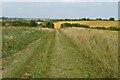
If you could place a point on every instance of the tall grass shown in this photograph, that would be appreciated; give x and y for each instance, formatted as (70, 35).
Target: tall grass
(98, 47)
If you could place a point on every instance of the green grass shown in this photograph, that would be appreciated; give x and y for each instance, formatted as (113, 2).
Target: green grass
(20, 68)
(16, 39)
(38, 67)
(66, 53)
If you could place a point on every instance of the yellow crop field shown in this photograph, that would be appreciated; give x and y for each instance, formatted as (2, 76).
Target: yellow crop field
(57, 25)
(39, 22)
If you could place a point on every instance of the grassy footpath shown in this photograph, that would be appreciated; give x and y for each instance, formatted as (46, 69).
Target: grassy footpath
(68, 61)
(40, 62)
(23, 58)
(67, 53)
(17, 39)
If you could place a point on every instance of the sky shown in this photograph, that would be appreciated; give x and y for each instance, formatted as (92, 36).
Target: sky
(59, 0)
(59, 10)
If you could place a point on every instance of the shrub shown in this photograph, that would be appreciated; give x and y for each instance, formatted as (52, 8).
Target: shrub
(108, 28)
(66, 25)
(19, 23)
(33, 23)
(111, 19)
(114, 28)
(103, 28)
(49, 25)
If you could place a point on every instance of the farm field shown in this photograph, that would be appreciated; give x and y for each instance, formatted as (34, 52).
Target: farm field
(64, 53)
(89, 23)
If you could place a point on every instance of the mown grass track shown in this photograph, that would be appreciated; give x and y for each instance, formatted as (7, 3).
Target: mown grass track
(58, 55)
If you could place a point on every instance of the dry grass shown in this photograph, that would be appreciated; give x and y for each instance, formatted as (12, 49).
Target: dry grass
(99, 47)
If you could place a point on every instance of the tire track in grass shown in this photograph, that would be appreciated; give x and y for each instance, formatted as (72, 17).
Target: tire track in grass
(22, 58)
(53, 56)
(67, 61)
(20, 40)
(39, 64)
(64, 62)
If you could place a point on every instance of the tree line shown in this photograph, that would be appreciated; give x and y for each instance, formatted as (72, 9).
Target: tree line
(19, 23)
(85, 19)
(31, 23)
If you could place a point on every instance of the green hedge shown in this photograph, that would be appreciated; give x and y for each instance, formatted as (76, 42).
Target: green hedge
(74, 25)
(108, 28)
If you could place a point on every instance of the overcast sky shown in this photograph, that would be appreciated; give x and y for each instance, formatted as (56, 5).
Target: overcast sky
(60, 0)
(67, 9)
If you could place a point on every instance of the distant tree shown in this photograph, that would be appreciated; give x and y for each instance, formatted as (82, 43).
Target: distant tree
(67, 19)
(84, 19)
(98, 19)
(50, 25)
(39, 20)
(105, 19)
(3, 18)
(111, 19)
(33, 23)
(3, 23)
(88, 19)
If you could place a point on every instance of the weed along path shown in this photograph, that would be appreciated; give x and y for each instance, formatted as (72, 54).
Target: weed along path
(54, 55)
